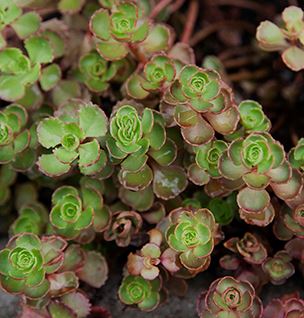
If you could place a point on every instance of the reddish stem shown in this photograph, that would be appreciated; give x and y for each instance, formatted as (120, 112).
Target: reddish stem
(211, 28)
(190, 21)
(159, 7)
(246, 4)
(138, 55)
(175, 6)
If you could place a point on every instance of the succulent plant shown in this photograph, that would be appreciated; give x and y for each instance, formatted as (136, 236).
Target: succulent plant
(74, 211)
(135, 290)
(145, 263)
(249, 247)
(117, 145)
(73, 139)
(287, 39)
(287, 306)
(97, 72)
(208, 156)
(33, 218)
(279, 268)
(117, 30)
(157, 75)
(252, 117)
(14, 137)
(229, 297)
(257, 159)
(28, 263)
(296, 155)
(224, 210)
(198, 87)
(191, 234)
(124, 225)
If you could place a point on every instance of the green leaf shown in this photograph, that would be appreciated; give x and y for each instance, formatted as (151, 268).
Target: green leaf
(64, 155)
(31, 76)
(100, 24)
(55, 41)
(96, 167)
(134, 87)
(11, 89)
(21, 141)
(157, 137)
(158, 39)
(9, 12)
(134, 162)
(35, 278)
(28, 241)
(12, 61)
(112, 50)
(59, 310)
(169, 182)
(65, 90)
(253, 200)
(93, 121)
(32, 99)
(270, 36)
(70, 6)
(138, 180)
(166, 154)
(2, 42)
(39, 49)
(12, 285)
(37, 291)
(141, 32)
(19, 111)
(293, 57)
(50, 76)
(63, 191)
(4, 261)
(50, 132)
(6, 154)
(85, 219)
(88, 153)
(51, 166)
(27, 24)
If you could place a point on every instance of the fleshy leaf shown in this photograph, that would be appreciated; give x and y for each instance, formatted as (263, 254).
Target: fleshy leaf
(93, 121)
(39, 49)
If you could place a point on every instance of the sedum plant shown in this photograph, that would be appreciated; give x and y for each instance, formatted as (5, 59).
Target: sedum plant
(75, 211)
(14, 136)
(118, 143)
(33, 218)
(279, 268)
(191, 235)
(117, 30)
(28, 263)
(249, 247)
(287, 39)
(96, 72)
(227, 296)
(287, 306)
(135, 290)
(67, 216)
(73, 140)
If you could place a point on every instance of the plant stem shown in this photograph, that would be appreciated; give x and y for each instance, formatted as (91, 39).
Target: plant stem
(175, 6)
(235, 51)
(159, 7)
(190, 21)
(247, 75)
(239, 61)
(138, 55)
(211, 28)
(246, 4)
